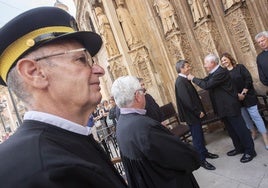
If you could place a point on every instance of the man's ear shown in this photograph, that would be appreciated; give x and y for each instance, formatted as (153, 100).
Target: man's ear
(32, 73)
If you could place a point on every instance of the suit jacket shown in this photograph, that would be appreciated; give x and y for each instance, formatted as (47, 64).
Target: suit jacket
(188, 101)
(223, 94)
(152, 156)
(42, 155)
(262, 63)
(152, 108)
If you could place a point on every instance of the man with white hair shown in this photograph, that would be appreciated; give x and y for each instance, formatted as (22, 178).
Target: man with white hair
(152, 156)
(262, 59)
(226, 105)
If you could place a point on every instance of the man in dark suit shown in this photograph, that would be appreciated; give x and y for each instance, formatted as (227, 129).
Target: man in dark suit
(262, 58)
(191, 111)
(226, 105)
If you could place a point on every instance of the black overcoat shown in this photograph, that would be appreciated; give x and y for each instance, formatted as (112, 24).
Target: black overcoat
(188, 101)
(44, 156)
(222, 92)
(152, 156)
(241, 78)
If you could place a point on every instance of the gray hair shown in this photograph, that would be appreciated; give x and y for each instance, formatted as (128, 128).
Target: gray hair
(123, 90)
(16, 84)
(261, 34)
(180, 64)
(212, 58)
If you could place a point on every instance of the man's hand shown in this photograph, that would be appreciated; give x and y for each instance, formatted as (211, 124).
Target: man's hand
(202, 114)
(241, 96)
(190, 77)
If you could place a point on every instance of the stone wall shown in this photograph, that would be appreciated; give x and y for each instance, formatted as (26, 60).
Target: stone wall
(147, 37)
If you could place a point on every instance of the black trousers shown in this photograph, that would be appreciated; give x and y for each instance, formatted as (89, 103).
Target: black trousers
(239, 134)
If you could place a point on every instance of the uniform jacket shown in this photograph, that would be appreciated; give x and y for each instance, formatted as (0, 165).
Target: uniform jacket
(44, 156)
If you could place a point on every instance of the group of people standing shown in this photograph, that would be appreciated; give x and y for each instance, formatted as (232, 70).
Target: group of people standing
(104, 117)
(153, 157)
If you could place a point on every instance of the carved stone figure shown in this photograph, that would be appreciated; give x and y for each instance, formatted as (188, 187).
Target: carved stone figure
(206, 8)
(196, 9)
(106, 33)
(167, 14)
(128, 25)
(228, 3)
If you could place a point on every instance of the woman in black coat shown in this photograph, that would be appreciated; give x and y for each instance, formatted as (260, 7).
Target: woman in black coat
(242, 80)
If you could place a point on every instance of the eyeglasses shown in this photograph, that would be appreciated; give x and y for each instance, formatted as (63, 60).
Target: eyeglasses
(84, 58)
(141, 89)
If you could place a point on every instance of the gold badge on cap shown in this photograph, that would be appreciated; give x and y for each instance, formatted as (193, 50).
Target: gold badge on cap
(30, 42)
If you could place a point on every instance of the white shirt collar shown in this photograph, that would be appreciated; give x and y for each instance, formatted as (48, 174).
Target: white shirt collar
(213, 70)
(58, 122)
(182, 75)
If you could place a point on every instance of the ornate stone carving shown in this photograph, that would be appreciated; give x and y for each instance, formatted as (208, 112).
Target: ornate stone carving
(142, 64)
(238, 29)
(197, 10)
(166, 11)
(208, 37)
(128, 25)
(117, 68)
(179, 47)
(106, 33)
(229, 3)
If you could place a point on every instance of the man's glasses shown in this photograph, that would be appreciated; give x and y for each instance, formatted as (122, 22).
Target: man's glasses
(85, 58)
(140, 90)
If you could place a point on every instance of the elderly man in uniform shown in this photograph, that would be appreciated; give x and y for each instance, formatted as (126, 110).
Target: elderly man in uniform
(49, 66)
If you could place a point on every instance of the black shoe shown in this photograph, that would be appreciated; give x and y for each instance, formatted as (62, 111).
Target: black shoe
(207, 165)
(211, 155)
(233, 152)
(247, 157)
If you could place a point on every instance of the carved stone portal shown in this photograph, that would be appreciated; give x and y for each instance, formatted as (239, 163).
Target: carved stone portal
(142, 64)
(167, 14)
(106, 33)
(117, 68)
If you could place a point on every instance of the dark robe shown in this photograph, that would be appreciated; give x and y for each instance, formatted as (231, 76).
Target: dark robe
(44, 156)
(152, 156)
(188, 101)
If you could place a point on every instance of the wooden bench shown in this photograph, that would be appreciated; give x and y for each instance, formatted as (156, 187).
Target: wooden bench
(171, 121)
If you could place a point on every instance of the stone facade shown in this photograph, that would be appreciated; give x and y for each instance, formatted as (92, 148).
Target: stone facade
(152, 35)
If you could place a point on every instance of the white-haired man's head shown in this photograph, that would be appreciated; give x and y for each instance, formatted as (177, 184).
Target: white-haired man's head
(124, 90)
